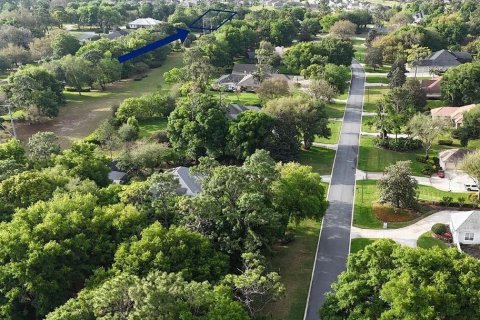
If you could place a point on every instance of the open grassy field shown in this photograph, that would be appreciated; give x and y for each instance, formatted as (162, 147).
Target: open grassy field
(83, 113)
(294, 263)
(431, 104)
(367, 193)
(373, 159)
(382, 70)
(427, 241)
(335, 127)
(368, 124)
(243, 98)
(150, 126)
(377, 79)
(320, 159)
(359, 243)
(335, 109)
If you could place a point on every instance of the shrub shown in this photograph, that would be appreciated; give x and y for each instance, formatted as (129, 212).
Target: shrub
(446, 201)
(160, 136)
(445, 142)
(128, 132)
(400, 144)
(461, 201)
(439, 228)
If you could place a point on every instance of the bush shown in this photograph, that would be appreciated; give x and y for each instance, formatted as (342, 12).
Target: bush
(72, 89)
(461, 201)
(401, 144)
(160, 136)
(439, 228)
(128, 132)
(446, 201)
(445, 142)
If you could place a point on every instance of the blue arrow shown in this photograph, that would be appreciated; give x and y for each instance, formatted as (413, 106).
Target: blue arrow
(180, 35)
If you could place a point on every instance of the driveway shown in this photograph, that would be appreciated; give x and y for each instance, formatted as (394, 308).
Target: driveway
(408, 235)
(334, 240)
(453, 181)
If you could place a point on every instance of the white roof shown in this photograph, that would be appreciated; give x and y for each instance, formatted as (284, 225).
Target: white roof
(460, 219)
(145, 22)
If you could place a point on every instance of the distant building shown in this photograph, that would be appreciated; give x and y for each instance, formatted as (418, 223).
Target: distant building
(450, 159)
(454, 114)
(189, 184)
(441, 61)
(465, 227)
(116, 175)
(432, 87)
(143, 23)
(115, 34)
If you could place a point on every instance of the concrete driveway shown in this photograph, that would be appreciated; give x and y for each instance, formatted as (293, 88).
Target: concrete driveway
(408, 235)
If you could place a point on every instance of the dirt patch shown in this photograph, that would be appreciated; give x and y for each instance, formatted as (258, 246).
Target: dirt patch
(471, 249)
(387, 213)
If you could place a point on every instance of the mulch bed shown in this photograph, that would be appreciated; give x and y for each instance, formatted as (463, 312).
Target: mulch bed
(386, 213)
(471, 249)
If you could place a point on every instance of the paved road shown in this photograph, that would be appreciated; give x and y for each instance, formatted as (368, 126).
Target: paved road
(334, 242)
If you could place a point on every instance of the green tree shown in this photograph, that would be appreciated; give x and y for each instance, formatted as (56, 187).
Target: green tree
(396, 75)
(374, 58)
(248, 132)
(9, 168)
(64, 44)
(337, 76)
(83, 160)
(42, 145)
(282, 32)
(397, 186)
(427, 129)
(452, 27)
(15, 55)
(322, 90)
(471, 165)
(418, 96)
(470, 128)
(389, 281)
(49, 249)
(171, 250)
(198, 127)
(35, 88)
(273, 88)
(77, 72)
(255, 287)
(299, 192)
(12, 150)
(460, 84)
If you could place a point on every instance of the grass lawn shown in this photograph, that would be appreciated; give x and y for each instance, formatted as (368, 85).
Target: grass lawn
(243, 98)
(367, 193)
(360, 49)
(377, 79)
(360, 243)
(83, 113)
(427, 241)
(320, 159)
(372, 95)
(150, 126)
(373, 159)
(335, 109)
(367, 124)
(294, 263)
(431, 104)
(335, 127)
(382, 69)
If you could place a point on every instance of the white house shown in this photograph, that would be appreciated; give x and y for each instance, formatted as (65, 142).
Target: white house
(143, 23)
(465, 227)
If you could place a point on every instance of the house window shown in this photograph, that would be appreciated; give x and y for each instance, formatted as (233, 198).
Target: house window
(469, 236)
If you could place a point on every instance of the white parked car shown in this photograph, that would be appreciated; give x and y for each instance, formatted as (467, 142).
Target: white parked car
(471, 187)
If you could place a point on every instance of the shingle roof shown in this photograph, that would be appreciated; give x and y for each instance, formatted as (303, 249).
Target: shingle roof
(460, 219)
(187, 181)
(235, 109)
(244, 68)
(445, 58)
(453, 155)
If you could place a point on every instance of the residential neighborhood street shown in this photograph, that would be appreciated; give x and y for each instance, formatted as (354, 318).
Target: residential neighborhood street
(334, 240)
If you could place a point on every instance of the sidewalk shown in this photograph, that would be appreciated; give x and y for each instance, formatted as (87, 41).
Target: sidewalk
(408, 235)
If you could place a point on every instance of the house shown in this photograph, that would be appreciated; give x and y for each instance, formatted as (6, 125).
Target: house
(244, 68)
(465, 227)
(450, 159)
(235, 109)
(116, 175)
(441, 61)
(143, 23)
(418, 17)
(189, 184)
(114, 34)
(454, 114)
(432, 87)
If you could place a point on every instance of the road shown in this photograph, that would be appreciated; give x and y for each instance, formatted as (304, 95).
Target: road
(334, 241)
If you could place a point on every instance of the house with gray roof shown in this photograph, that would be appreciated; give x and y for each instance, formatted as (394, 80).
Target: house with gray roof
(143, 23)
(235, 109)
(441, 61)
(465, 227)
(189, 184)
(244, 68)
